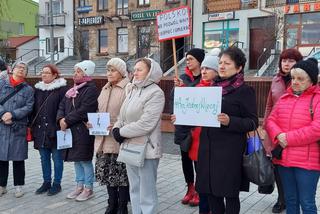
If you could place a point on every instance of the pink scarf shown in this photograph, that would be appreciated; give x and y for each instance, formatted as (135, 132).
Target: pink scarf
(73, 92)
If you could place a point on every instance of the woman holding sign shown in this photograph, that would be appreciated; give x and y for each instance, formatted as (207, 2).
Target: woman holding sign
(48, 94)
(139, 123)
(219, 169)
(72, 114)
(109, 172)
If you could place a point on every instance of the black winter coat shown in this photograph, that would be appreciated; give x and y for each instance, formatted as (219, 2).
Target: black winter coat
(44, 127)
(76, 118)
(219, 168)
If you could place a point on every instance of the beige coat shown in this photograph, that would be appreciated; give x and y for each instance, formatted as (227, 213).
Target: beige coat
(141, 112)
(110, 100)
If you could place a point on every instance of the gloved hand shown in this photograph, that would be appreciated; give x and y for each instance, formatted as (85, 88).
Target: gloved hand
(117, 136)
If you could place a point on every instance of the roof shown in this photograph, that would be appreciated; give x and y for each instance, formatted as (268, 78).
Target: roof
(15, 42)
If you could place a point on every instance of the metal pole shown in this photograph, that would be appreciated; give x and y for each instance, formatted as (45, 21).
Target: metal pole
(51, 33)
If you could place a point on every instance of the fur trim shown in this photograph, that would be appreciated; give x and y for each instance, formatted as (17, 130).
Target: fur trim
(57, 83)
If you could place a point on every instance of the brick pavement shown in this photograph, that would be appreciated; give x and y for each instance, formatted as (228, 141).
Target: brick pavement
(171, 189)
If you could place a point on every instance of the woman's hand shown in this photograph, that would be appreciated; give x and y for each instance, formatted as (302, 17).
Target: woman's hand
(89, 125)
(224, 119)
(173, 118)
(177, 82)
(117, 136)
(282, 138)
(63, 124)
(6, 117)
(109, 128)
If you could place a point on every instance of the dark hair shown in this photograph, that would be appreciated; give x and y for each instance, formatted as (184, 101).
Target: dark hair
(290, 53)
(236, 55)
(53, 68)
(145, 61)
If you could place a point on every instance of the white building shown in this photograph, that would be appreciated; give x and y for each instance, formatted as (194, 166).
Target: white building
(63, 28)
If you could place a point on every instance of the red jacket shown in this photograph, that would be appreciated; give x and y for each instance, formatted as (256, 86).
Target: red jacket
(277, 89)
(195, 132)
(291, 115)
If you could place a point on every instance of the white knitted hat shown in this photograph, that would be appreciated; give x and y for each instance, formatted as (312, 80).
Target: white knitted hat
(211, 62)
(87, 66)
(118, 64)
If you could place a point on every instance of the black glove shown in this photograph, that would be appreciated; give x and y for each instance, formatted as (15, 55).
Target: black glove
(117, 136)
(277, 152)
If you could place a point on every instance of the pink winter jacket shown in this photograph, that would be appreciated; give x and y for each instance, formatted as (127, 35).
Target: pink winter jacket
(291, 115)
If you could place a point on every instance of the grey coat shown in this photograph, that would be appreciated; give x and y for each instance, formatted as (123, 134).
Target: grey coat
(13, 144)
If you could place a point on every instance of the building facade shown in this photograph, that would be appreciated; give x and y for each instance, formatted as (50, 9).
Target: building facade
(63, 28)
(123, 28)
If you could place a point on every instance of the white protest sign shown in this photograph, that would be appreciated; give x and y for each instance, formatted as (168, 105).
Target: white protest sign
(100, 122)
(175, 23)
(197, 106)
(64, 139)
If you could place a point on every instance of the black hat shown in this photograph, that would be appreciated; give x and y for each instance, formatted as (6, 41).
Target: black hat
(197, 53)
(3, 66)
(310, 66)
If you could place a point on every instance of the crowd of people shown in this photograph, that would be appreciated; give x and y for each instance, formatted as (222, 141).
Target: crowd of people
(211, 156)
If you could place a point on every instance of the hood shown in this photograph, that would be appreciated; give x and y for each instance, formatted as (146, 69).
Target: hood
(57, 83)
(154, 75)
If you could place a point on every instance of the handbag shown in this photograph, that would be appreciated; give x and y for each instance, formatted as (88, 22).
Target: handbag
(267, 189)
(257, 167)
(133, 151)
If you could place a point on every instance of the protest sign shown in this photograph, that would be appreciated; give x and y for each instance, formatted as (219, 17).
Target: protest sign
(197, 106)
(100, 122)
(64, 139)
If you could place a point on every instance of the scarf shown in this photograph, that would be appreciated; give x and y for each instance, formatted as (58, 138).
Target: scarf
(230, 84)
(14, 82)
(204, 83)
(286, 78)
(73, 92)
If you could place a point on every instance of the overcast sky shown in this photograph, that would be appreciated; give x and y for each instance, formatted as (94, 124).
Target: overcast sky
(36, 0)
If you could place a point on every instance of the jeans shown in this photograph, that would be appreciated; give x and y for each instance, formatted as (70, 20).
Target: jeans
(84, 173)
(142, 184)
(18, 173)
(45, 156)
(300, 186)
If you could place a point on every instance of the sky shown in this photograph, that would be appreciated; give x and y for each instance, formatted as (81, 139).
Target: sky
(36, 0)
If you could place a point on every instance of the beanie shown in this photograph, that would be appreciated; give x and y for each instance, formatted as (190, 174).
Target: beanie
(118, 64)
(3, 66)
(87, 66)
(197, 53)
(211, 62)
(310, 66)
(215, 52)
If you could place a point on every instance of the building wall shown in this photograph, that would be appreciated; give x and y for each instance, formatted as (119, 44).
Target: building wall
(18, 11)
(65, 32)
(27, 47)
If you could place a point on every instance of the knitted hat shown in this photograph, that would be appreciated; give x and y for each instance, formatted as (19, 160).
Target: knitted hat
(118, 64)
(215, 52)
(211, 62)
(87, 66)
(310, 66)
(197, 53)
(3, 66)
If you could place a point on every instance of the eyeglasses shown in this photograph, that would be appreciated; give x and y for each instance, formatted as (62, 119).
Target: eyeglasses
(21, 67)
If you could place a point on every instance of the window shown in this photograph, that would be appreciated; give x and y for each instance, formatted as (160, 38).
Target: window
(172, 1)
(83, 3)
(102, 4)
(57, 7)
(103, 41)
(21, 28)
(58, 44)
(144, 2)
(61, 45)
(122, 7)
(122, 40)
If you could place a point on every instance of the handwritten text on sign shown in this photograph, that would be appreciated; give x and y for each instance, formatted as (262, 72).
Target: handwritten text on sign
(197, 106)
(173, 23)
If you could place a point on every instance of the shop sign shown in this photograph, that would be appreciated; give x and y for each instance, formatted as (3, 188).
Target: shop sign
(92, 20)
(84, 9)
(144, 15)
(221, 16)
(306, 7)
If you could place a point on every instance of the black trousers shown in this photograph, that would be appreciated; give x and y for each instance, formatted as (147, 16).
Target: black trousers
(219, 206)
(18, 173)
(279, 185)
(187, 167)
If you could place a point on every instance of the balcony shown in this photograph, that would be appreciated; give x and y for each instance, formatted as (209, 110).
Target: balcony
(275, 3)
(43, 20)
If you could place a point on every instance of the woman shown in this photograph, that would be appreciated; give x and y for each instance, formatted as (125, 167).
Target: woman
(72, 114)
(48, 94)
(16, 101)
(140, 115)
(219, 168)
(279, 84)
(109, 172)
(190, 78)
(294, 124)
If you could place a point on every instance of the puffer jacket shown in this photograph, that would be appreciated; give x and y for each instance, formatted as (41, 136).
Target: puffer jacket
(140, 113)
(291, 115)
(110, 100)
(277, 89)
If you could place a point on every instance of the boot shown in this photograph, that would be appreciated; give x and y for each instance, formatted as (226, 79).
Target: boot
(55, 189)
(44, 188)
(189, 195)
(195, 200)
(123, 208)
(112, 201)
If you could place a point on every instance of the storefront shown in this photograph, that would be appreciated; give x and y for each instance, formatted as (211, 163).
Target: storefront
(220, 34)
